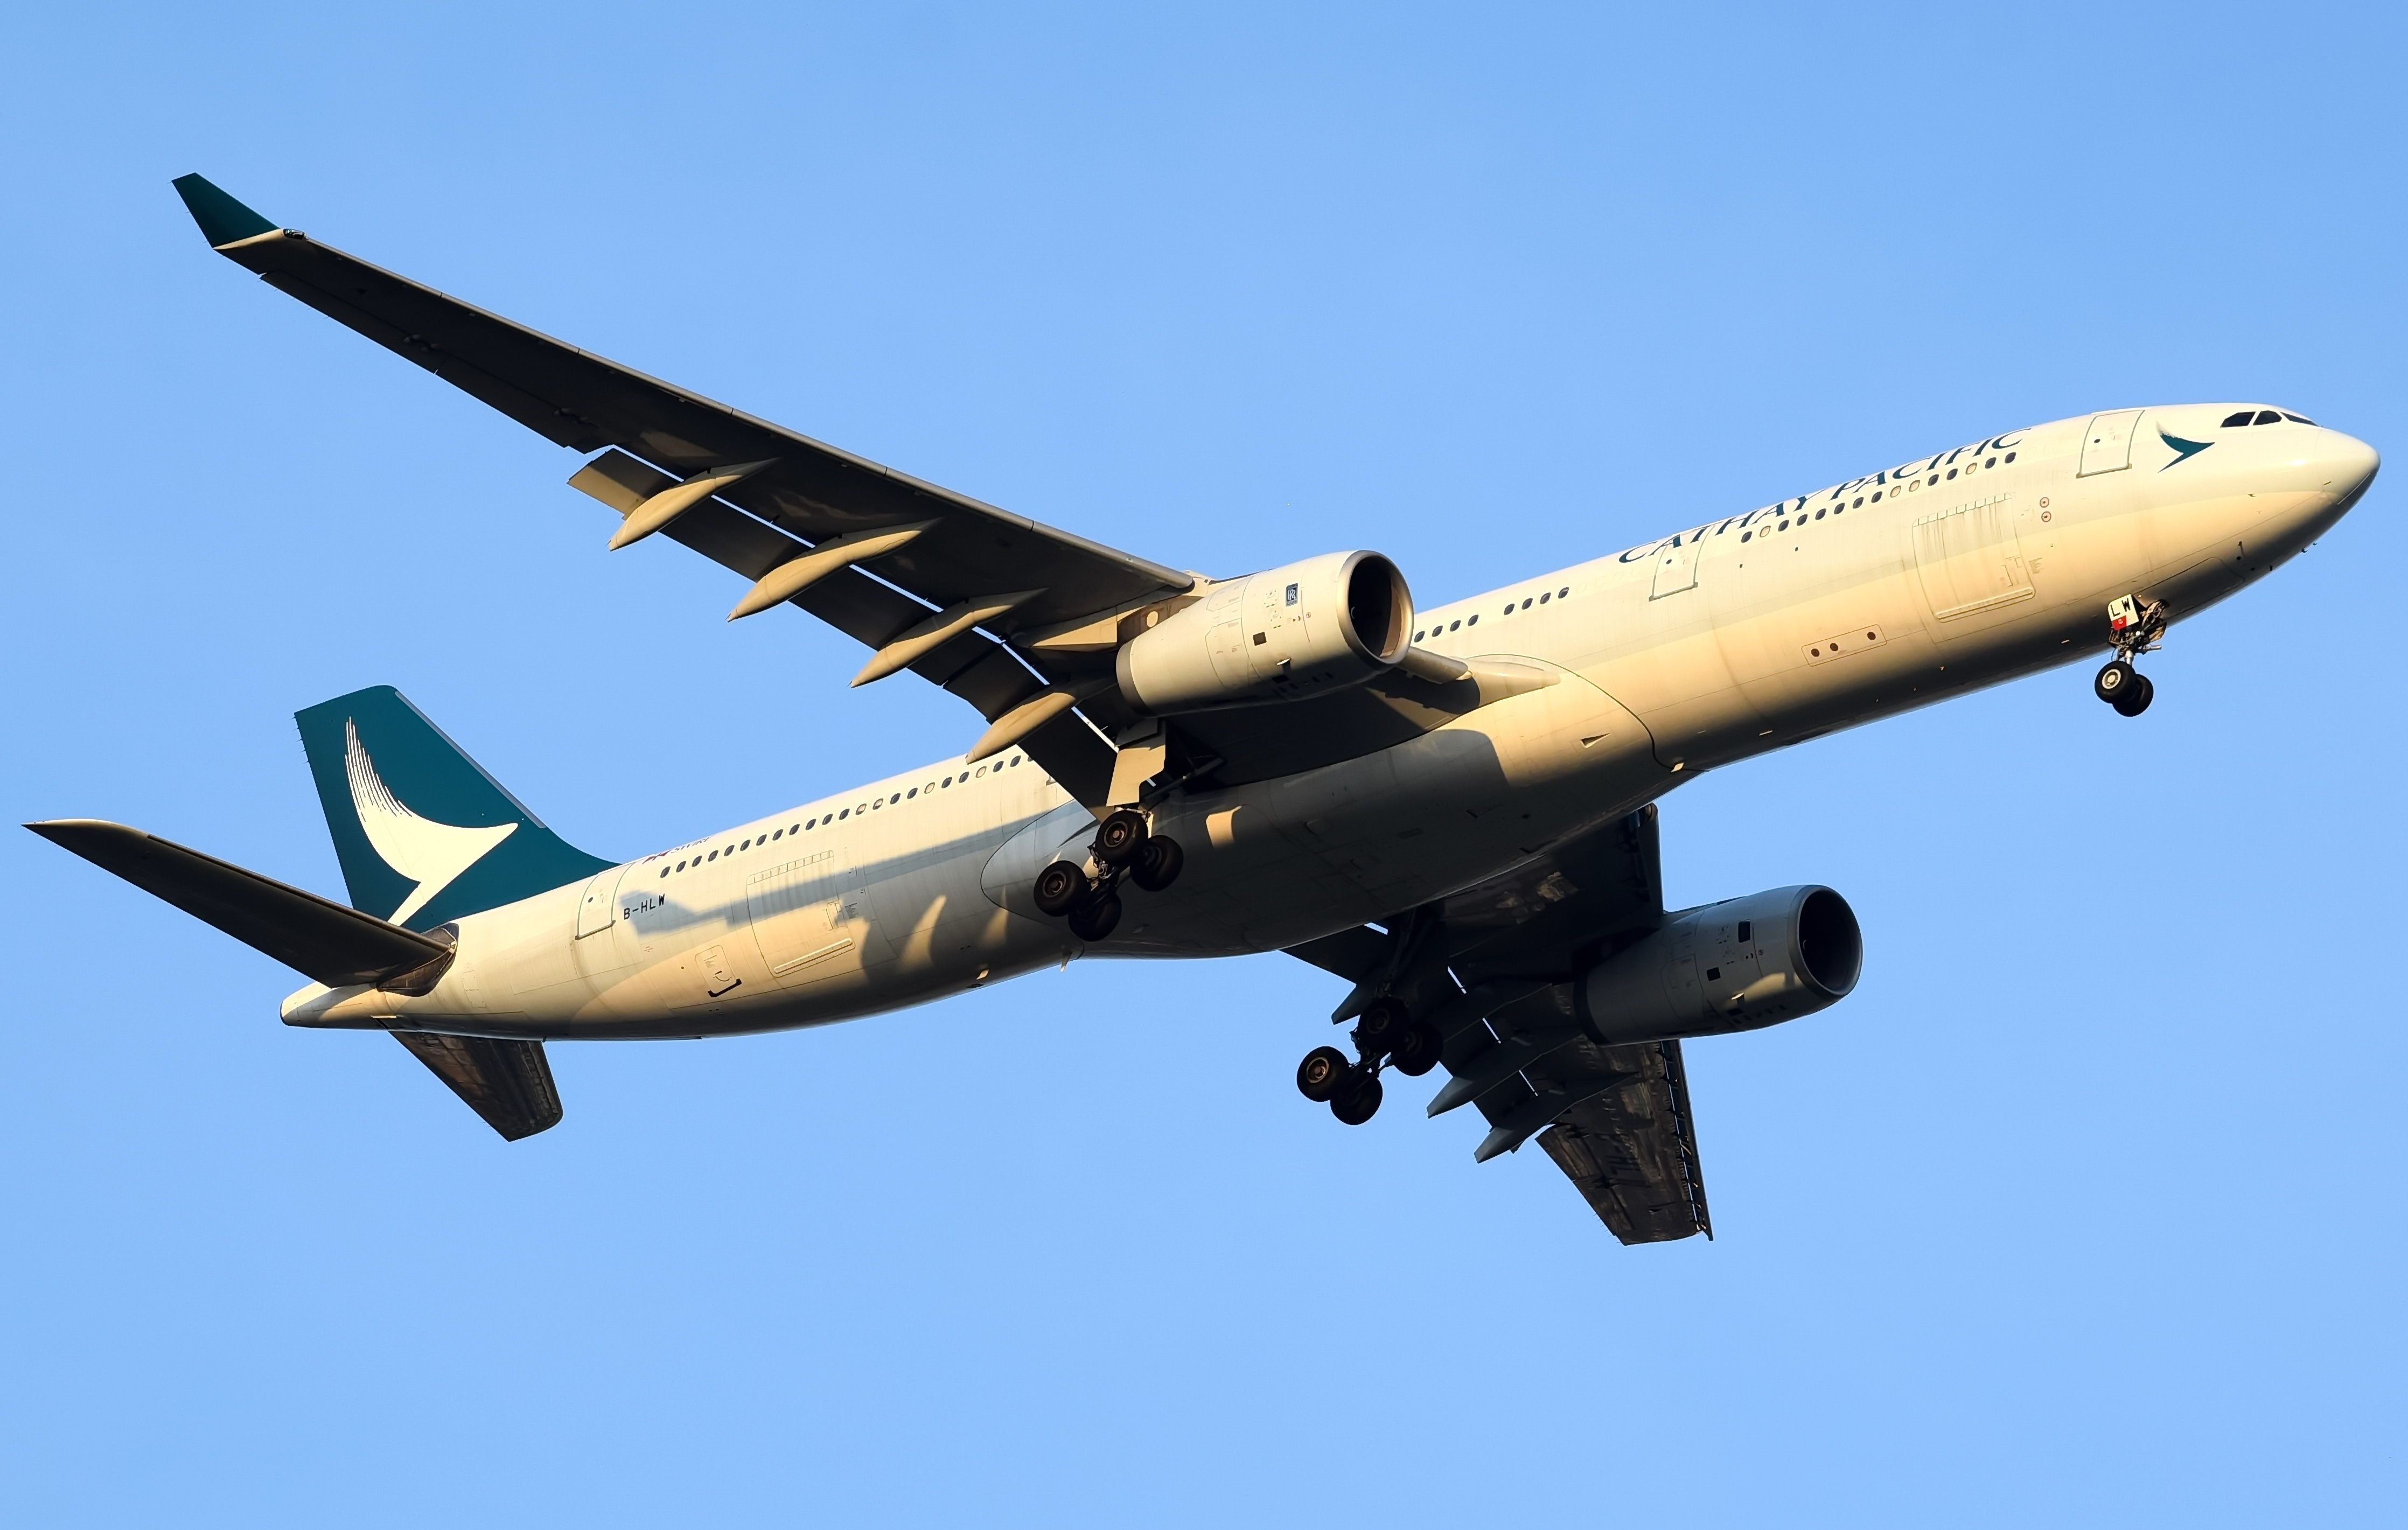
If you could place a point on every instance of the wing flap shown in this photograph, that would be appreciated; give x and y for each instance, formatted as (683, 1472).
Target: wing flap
(973, 667)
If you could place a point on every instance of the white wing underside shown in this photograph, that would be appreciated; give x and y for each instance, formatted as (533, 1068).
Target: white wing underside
(430, 854)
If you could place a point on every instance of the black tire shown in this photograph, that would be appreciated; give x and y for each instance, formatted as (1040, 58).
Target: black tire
(1157, 863)
(1059, 888)
(2134, 701)
(1095, 918)
(1120, 836)
(1321, 1071)
(2114, 682)
(1383, 1020)
(1416, 1051)
(1357, 1102)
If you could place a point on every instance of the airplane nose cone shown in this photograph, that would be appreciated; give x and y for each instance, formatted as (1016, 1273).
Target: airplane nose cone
(2352, 463)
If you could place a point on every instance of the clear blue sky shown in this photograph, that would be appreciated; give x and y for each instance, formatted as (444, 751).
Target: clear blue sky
(2086, 1207)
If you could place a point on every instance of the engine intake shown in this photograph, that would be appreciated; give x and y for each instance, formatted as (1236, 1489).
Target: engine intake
(1738, 965)
(1282, 635)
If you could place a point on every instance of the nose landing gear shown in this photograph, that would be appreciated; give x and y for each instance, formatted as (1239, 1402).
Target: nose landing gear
(2134, 627)
(1386, 1035)
(1124, 846)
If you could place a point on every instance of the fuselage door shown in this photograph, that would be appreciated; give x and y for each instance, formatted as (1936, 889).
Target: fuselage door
(813, 919)
(598, 906)
(1970, 559)
(1676, 565)
(2107, 445)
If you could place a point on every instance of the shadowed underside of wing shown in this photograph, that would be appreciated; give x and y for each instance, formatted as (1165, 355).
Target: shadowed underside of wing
(1494, 968)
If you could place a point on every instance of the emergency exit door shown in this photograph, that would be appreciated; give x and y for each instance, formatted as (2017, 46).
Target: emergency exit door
(1676, 565)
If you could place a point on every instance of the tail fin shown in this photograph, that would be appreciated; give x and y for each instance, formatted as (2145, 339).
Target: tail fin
(422, 834)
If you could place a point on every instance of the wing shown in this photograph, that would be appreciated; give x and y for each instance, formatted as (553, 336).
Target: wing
(1020, 620)
(1494, 967)
(1630, 1148)
(936, 576)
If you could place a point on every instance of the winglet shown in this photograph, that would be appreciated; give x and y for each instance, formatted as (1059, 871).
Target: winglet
(224, 221)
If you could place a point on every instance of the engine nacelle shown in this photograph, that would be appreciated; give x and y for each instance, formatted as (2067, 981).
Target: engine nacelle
(1311, 627)
(1738, 965)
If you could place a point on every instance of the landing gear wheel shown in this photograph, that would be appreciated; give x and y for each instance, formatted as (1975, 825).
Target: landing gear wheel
(1095, 918)
(1415, 1052)
(1321, 1071)
(1157, 862)
(1356, 1102)
(2135, 698)
(1120, 836)
(1383, 1020)
(2116, 681)
(1059, 887)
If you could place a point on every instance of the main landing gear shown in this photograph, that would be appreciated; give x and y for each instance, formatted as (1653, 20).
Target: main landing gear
(1387, 1033)
(2134, 626)
(1124, 846)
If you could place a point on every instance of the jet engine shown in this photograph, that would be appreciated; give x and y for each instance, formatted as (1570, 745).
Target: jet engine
(1737, 966)
(1314, 626)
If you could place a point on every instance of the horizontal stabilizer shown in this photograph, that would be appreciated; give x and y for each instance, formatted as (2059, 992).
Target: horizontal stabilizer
(507, 1083)
(322, 939)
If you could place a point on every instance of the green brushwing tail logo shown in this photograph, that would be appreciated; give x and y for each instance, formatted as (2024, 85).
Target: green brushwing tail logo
(2184, 451)
(422, 834)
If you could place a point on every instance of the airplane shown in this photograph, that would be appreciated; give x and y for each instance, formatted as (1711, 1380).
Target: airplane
(1452, 810)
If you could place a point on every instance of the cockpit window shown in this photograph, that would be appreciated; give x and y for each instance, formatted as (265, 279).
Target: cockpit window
(2241, 419)
(2267, 417)
(2299, 419)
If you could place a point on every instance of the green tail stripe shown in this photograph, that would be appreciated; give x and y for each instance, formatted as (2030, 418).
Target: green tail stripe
(422, 833)
(222, 219)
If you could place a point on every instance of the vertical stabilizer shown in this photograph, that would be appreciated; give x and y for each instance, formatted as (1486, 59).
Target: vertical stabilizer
(422, 834)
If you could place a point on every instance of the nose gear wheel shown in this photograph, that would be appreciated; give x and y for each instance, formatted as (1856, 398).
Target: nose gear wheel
(2134, 626)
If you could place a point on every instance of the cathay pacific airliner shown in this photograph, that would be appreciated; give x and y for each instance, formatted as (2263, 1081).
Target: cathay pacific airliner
(1449, 810)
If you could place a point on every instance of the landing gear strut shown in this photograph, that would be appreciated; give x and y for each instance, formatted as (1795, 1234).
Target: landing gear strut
(1386, 1035)
(2134, 627)
(1124, 847)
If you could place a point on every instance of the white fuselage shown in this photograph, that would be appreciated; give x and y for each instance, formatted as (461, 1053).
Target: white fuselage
(1628, 674)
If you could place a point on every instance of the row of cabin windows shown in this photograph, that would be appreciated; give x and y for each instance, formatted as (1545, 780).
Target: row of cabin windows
(1473, 620)
(1875, 498)
(2263, 417)
(823, 821)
